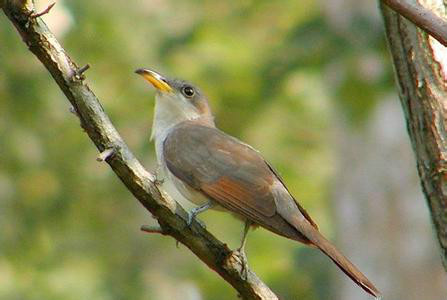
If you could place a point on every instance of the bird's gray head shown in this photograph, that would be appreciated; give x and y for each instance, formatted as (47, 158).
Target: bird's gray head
(176, 101)
(179, 95)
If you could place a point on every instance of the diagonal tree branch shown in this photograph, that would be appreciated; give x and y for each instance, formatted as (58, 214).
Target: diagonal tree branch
(421, 17)
(115, 152)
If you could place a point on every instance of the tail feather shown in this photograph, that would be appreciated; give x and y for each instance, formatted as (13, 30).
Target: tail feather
(339, 259)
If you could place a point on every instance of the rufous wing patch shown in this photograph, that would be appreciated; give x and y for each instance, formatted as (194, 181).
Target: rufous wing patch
(240, 196)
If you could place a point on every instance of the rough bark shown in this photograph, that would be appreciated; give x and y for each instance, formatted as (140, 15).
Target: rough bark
(423, 94)
(115, 152)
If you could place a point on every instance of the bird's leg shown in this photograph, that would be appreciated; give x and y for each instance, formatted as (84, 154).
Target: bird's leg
(241, 250)
(200, 209)
(158, 176)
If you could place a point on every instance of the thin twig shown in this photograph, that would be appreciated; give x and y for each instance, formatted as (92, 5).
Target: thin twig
(152, 229)
(81, 70)
(105, 154)
(43, 12)
(78, 75)
(421, 17)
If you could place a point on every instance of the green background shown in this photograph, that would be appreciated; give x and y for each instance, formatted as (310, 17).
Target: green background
(280, 75)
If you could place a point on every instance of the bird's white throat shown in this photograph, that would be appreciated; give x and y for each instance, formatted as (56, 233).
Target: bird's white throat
(170, 110)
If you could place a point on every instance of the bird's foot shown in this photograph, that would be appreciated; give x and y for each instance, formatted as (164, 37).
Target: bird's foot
(195, 211)
(240, 255)
(159, 180)
(192, 216)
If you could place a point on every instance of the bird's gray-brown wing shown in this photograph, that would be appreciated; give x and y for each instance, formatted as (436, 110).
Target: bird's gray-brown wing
(224, 169)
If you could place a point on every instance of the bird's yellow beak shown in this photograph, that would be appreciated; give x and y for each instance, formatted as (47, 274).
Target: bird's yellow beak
(158, 81)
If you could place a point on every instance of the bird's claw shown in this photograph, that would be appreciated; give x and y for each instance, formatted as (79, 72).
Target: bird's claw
(242, 257)
(159, 179)
(194, 212)
(192, 216)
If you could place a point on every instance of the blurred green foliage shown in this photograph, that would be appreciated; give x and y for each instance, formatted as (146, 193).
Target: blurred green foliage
(277, 74)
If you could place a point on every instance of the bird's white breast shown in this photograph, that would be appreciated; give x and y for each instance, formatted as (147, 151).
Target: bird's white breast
(166, 116)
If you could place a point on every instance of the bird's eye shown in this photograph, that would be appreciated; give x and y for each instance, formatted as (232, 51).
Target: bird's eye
(188, 91)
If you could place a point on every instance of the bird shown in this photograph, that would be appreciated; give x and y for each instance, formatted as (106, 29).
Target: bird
(214, 170)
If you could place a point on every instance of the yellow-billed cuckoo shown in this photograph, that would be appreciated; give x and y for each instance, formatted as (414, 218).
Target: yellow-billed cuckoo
(215, 170)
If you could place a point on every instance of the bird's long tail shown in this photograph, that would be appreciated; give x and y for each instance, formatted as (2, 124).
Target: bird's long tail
(318, 240)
